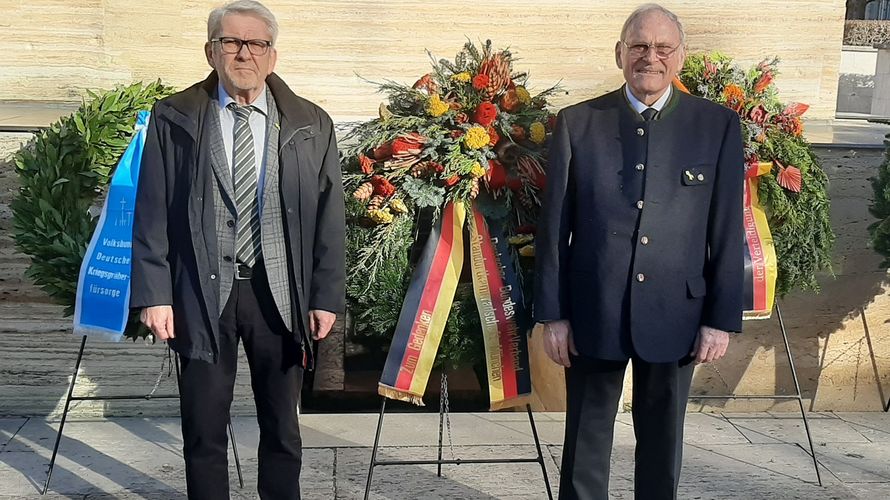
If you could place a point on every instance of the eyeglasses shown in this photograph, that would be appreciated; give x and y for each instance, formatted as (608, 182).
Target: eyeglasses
(232, 45)
(642, 49)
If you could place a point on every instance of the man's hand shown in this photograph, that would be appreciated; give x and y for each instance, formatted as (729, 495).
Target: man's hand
(320, 323)
(710, 344)
(158, 319)
(558, 342)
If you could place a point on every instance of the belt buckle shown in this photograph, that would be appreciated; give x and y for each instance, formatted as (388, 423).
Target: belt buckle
(243, 272)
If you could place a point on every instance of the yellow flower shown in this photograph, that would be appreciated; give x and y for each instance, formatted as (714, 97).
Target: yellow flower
(463, 77)
(523, 95)
(521, 239)
(380, 216)
(436, 107)
(398, 206)
(537, 132)
(477, 171)
(477, 138)
(527, 251)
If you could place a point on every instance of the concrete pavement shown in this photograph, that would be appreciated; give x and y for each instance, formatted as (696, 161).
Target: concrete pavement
(728, 456)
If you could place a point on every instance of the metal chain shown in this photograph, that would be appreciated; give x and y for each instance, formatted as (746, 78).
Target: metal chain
(167, 361)
(447, 413)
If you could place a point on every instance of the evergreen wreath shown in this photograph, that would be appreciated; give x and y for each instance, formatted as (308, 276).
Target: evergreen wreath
(64, 172)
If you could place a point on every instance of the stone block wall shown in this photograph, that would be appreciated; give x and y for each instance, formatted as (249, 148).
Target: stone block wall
(56, 49)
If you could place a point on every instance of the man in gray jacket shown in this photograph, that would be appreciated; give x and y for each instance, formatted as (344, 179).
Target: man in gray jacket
(239, 236)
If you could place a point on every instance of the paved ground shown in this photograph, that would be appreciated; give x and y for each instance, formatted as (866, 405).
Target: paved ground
(749, 456)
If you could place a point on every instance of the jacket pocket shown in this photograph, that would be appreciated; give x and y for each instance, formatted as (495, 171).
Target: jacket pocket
(694, 176)
(696, 287)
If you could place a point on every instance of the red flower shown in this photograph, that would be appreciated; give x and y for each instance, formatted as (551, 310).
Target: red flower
(457, 134)
(758, 114)
(366, 163)
(514, 183)
(796, 109)
(427, 83)
(382, 187)
(493, 134)
(510, 101)
(437, 167)
(411, 143)
(461, 118)
(454, 179)
(497, 175)
(481, 81)
(551, 123)
(763, 82)
(485, 114)
(383, 151)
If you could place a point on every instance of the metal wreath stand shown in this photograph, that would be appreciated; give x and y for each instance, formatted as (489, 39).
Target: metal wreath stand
(170, 362)
(444, 418)
(796, 395)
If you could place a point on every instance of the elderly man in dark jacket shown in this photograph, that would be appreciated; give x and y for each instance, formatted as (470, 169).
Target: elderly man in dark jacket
(239, 236)
(640, 256)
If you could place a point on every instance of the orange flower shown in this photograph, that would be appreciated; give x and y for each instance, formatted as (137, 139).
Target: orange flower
(734, 97)
(454, 179)
(510, 101)
(494, 135)
(763, 82)
(366, 163)
(481, 81)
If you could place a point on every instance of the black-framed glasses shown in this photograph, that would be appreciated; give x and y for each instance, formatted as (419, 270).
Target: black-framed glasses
(662, 51)
(232, 45)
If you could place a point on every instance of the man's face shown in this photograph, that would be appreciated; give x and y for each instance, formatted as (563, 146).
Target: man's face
(242, 73)
(647, 74)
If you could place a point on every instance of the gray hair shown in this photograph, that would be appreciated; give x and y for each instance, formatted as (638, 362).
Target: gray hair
(649, 8)
(250, 7)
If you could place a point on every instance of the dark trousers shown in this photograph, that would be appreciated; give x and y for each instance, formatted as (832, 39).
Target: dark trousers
(593, 389)
(276, 375)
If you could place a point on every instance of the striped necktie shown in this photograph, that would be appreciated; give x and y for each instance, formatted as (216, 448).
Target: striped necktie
(248, 241)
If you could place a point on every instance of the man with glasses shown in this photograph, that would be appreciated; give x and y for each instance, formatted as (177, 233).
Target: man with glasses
(239, 236)
(639, 256)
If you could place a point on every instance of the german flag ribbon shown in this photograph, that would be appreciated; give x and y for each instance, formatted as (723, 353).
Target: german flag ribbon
(428, 303)
(760, 253)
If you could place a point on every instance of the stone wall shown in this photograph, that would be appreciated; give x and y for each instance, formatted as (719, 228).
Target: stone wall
(56, 49)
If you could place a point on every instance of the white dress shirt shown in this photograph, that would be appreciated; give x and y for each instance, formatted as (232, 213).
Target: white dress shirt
(640, 107)
(257, 121)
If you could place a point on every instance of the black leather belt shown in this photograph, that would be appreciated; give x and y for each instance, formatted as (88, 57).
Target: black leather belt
(243, 271)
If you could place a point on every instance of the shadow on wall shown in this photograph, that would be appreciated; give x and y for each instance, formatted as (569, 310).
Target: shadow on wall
(838, 337)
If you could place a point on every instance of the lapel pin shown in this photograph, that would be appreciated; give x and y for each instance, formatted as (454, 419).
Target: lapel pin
(689, 175)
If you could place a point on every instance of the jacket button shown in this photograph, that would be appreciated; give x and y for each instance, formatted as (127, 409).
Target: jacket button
(641, 277)
(640, 204)
(213, 276)
(641, 132)
(290, 210)
(227, 258)
(230, 223)
(640, 167)
(644, 240)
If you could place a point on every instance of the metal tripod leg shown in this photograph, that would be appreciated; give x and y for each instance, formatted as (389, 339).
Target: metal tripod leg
(531, 421)
(803, 413)
(52, 461)
(374, 449)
